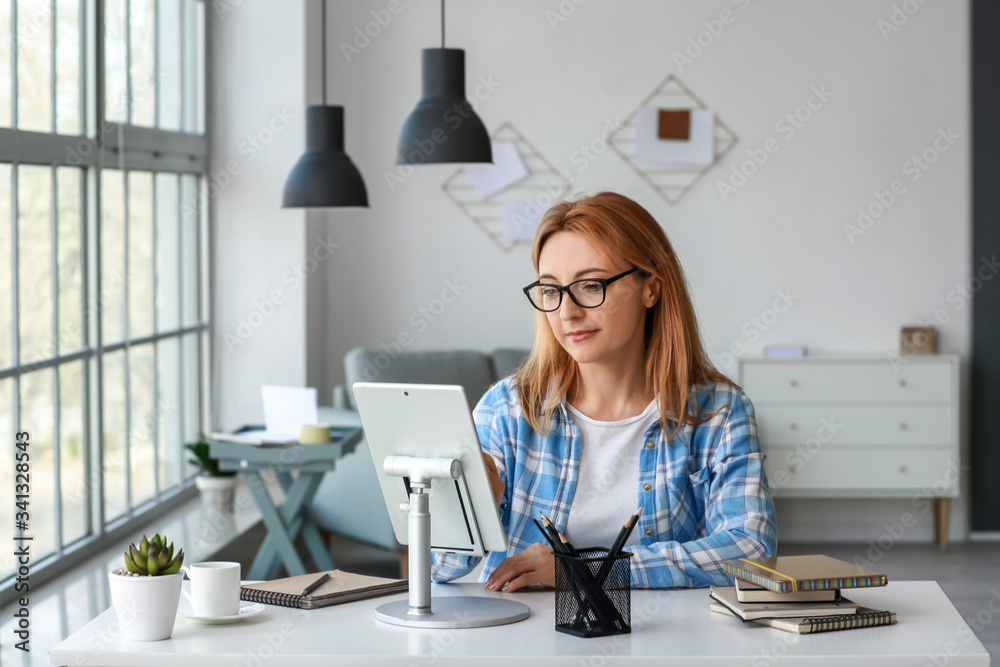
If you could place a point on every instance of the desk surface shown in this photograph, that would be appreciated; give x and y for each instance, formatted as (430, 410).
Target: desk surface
(669, 627)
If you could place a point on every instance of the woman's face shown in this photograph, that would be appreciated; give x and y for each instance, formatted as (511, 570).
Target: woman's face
(614, 330)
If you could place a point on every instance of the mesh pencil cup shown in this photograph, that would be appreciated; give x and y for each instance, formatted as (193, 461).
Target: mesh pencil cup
(586, 605)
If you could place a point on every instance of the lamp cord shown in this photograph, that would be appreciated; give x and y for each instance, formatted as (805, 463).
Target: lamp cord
(442, 24)
(323, 42)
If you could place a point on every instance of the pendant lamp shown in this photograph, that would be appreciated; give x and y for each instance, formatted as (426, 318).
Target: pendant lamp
(324, 177)
(443, 127)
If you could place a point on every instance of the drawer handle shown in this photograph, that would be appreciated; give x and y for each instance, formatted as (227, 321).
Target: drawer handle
(902, 426)
(793, 426)
(796, 467)
(793, 383)
(902, 383)
(902, 469)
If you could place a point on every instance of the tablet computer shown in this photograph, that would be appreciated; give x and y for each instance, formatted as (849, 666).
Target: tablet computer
(433, 421)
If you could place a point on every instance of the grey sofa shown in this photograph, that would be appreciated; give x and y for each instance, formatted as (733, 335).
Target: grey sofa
(349, 501)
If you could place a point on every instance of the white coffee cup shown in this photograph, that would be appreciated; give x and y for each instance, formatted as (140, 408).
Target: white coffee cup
(215, 588)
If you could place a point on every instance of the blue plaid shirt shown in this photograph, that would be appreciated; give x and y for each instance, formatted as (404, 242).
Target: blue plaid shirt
(708, 499)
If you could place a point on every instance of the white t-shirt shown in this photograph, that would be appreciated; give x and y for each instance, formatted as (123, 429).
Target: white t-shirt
(607, 487)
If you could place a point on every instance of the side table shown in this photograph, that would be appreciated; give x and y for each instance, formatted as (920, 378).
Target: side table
(284, 524)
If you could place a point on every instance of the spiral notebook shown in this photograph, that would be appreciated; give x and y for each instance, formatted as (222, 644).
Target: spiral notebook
(864, 618)
(341, 587)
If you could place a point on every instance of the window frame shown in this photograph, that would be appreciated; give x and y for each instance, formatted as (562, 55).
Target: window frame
(125, 148)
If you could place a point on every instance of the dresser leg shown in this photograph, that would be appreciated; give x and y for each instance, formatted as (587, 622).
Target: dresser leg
(942, 513)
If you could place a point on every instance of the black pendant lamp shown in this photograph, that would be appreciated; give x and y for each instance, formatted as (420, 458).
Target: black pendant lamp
(324, 177)
(443, 127)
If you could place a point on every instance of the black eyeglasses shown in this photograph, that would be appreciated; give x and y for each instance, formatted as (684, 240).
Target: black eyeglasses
(586, 293)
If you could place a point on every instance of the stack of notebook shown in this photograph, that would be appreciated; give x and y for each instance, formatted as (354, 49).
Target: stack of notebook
(799, 594)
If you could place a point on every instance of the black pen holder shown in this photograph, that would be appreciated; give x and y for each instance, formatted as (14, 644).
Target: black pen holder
(593, 593)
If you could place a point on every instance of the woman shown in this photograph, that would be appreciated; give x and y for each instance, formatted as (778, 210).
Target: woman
(618, 407)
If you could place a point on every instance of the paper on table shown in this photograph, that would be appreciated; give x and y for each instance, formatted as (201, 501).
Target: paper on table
(699, 149)
(507, 169)
(286, 409)
(520, 220)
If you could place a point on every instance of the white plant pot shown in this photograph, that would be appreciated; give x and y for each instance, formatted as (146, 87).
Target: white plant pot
(146, 606)
(217, 493)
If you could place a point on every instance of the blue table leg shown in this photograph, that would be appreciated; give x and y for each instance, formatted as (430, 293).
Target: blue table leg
(278, 547)
(310, 534)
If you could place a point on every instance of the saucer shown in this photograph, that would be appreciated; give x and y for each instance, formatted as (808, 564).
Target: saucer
(248, 610)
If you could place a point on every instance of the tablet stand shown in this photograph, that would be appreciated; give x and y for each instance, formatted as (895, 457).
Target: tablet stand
(446, 612)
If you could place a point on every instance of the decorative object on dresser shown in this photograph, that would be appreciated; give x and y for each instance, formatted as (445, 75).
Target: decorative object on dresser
(860, 427)
(917, 340)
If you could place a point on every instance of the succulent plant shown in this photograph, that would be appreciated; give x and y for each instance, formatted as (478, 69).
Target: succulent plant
(153, 557)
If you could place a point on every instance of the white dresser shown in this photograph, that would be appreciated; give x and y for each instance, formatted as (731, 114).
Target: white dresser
(860, 427)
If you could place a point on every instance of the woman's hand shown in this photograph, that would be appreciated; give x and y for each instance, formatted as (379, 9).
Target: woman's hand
(534, 565)
(495, 482)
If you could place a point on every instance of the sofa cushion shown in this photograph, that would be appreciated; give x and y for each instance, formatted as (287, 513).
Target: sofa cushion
(506, 361)
(473, 370)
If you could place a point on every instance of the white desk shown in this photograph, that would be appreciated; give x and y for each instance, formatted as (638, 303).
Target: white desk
(668, 628)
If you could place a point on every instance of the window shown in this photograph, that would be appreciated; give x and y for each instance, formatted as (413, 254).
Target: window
(103, 261)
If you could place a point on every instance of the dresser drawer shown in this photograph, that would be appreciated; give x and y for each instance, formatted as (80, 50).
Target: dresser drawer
(847, 382)
(861, 472)
(855, 425)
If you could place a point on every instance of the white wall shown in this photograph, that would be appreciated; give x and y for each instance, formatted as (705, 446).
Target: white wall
(257, 97)
(782, 231)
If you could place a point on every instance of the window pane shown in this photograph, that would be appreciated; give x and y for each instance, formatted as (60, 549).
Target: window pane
(192, 389)
(5, 72)
(34, 247)
(73, 480)
(34, 65)
(169, 80)
(168, 364)
(167, 251)
(115, 64)
(112, 292)
(143, 423)
(193, 53)
(7, 469)
(143, 70)
(114, 407)
(6, 257)
(69, 182)
(189, 249)
(37, 418)
(68, 67)
(140, 253)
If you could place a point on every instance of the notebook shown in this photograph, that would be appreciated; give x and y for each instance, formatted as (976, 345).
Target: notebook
(783, 574)
(747, 592)
(865, 617)
(750, 611)
(341, 587)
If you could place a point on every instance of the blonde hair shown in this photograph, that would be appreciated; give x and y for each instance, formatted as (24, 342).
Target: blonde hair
(675, 357)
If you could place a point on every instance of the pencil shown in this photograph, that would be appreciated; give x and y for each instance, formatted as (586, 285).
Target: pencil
(316, 584)
(616, 548)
